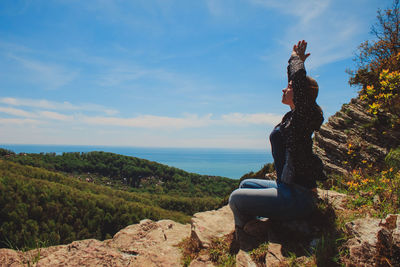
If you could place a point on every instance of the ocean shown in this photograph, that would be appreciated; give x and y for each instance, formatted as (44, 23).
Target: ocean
(231, 163)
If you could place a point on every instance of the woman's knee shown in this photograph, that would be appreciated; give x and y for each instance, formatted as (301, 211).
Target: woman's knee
(243, 182)
(250, 183)
(257, 183)
(234, 199)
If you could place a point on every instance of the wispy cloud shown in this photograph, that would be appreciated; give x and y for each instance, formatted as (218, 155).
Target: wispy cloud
(53, 105)
(50, 75)
(6, 121)
(150, 121)
(257, 118)
(39, 115)
(16, 112)
(43, 110)
(117, 76)
(55, 116)
(332, 28)
(305, 10)
(187, 121)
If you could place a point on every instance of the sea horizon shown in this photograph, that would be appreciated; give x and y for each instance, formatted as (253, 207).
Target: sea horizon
(226, 162)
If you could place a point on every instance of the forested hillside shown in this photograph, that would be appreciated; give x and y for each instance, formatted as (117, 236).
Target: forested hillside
(138, 174)
(55, 199)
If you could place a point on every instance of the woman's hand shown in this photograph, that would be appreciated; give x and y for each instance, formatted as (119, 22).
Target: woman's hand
(300, 50)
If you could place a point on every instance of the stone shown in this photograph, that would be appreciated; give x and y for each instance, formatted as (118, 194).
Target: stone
(88, 252)
(152, 243)
(212, 224)
(243, 259)
(12, 258)
(362, 247)
(148, 243)
(274, 255)
(202, 261)
(352, 124)
(338, 200)
(375, 242)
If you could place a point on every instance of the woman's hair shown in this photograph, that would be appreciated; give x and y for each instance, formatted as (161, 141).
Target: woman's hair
(313, 91)
(313, 87)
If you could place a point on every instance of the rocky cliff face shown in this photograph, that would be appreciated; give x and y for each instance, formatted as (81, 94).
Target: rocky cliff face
(353, 138)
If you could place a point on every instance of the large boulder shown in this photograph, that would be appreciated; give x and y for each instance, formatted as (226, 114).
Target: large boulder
(212, 224)
(148, 243)
(151, 243)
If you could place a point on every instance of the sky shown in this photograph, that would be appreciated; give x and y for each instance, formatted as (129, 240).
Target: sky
(160, 73)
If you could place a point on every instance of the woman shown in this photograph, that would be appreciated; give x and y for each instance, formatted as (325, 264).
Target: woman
(291, 196)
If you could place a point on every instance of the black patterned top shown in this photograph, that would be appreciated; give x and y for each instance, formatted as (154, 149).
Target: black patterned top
(301, 165)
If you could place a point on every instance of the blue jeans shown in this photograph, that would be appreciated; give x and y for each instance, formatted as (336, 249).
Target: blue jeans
(266, 198)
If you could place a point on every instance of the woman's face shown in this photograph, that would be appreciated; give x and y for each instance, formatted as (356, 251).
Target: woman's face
(287, 97)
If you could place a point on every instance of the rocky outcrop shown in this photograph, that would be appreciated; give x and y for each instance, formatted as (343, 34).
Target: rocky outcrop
(149, 243)
(212, 224)
(145, 244)
(351, 136)
(374, 242)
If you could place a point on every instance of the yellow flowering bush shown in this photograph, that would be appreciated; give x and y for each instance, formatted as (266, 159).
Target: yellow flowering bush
(386, 96)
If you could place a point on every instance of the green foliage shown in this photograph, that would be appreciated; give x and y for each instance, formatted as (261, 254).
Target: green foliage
(372, 191)
(138, 174)
(267, 168)
(220, 253)
(6, 152)
(38, 205)
(393, 159)
(258, 254)
(378, 72)
(381, 53)
(190, 249)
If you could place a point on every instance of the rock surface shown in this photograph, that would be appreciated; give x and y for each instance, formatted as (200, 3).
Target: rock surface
(150, 243)
(375, 242)
(210, 224)
(353, 125)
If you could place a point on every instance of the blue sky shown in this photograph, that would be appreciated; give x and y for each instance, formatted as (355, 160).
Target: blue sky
(203, 73)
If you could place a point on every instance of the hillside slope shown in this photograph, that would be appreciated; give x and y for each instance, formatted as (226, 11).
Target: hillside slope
(49, 207)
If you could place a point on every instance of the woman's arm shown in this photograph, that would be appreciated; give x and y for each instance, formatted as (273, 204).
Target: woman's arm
(297, 74)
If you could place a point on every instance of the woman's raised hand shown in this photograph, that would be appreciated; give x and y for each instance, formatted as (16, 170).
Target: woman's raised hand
(300, 50)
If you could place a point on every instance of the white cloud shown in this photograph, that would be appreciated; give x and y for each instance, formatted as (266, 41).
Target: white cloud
(257, 118)
(187, 121)
(55, 116)
(151, 121)
(16, 112)
(53, 105)
(5, 121)
(43, 110)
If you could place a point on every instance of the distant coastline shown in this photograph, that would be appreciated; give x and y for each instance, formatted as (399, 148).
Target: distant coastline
(226, 162)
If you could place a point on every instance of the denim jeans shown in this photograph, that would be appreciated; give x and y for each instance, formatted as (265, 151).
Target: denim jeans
(266, 198)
